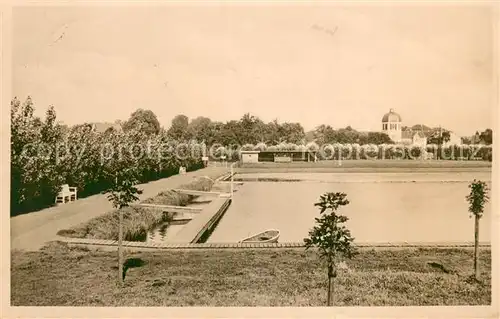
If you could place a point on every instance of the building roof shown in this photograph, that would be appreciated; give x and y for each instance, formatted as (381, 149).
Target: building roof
(407, 134)
(420, 134)
(391, 117)
(410, 134)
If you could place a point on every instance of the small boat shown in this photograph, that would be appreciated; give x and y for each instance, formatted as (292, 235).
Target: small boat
(268, 236)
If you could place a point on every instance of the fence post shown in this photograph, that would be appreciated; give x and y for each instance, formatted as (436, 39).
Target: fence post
(232, 180)
(120, 239)
(120, 249)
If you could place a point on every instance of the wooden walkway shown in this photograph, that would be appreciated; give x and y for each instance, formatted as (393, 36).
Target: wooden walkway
(165, 246)
(204, 221)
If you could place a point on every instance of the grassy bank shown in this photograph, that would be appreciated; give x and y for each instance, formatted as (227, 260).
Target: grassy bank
(371, 164)
(365, 166)
(76, 277)
(137, 221)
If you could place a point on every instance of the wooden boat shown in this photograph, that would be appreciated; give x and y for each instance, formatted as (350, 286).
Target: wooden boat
(268, 236)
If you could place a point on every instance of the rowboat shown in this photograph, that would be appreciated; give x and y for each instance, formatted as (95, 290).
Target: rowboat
(268, 236)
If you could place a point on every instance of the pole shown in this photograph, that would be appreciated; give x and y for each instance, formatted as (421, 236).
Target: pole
(120, 240)
(120, 249)
(476, 246)
(232, 180)
(440, 135)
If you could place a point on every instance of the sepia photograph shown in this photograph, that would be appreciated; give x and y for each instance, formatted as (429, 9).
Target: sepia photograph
(237, 154)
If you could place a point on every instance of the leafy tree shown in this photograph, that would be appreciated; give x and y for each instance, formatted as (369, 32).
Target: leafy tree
(309, 136)
(199, 128)
(330, 236)
(215, 129)
(475, 139)
(291, 132)
(439, 137)
(378, 138)
(466, 140)
(50, 135)
(179, 128)
(144, 121)
(260, 131)
(486, 137)
(34, 171)
(347, 135)
(477, 198)
(273, 133)
(121, 193)
(248, 126)
(45, 155)
(230, 134)
(324, 134)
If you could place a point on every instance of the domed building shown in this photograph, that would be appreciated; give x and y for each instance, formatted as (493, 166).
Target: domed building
(391, 125)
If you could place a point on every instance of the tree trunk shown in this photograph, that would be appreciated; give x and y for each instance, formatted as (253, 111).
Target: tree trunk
(330, 286)
(476, 246)
(329, 298)
(120, 249)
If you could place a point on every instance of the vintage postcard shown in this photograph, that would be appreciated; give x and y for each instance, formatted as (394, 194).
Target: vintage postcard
(250, 159)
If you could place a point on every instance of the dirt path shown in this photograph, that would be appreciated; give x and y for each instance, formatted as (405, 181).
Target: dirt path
(31, 231)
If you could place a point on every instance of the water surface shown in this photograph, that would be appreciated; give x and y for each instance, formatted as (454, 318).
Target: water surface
(383, 207)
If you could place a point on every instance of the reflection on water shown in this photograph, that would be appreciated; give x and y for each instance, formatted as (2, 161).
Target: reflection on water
(165, 231)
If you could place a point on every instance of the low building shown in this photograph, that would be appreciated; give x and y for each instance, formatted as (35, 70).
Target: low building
(277, 156)
(416, 138)
(249, 156)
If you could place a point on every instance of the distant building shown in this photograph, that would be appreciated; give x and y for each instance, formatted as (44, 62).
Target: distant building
(278, 156)
(391, 125)
(249, 156)
(416, 135)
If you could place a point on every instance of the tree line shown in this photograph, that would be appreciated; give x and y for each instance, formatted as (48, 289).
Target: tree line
(252, 130)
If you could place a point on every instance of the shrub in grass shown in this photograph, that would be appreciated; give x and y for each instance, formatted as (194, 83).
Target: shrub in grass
(331, 237)
(176, 199)
(477, 199)
(136, 223)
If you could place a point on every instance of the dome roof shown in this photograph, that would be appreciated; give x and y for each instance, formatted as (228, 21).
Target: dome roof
(391, 117)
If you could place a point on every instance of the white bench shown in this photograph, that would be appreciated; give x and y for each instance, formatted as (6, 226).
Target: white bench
(67, 194)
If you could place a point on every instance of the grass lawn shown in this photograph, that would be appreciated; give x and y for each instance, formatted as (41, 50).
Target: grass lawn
(63, 276)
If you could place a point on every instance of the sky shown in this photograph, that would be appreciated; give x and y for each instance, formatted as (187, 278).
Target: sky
(335, 65)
